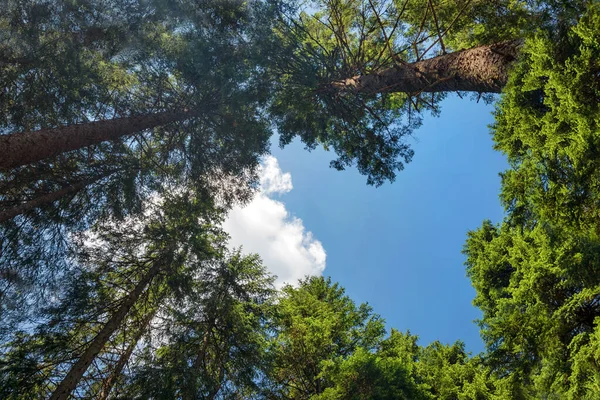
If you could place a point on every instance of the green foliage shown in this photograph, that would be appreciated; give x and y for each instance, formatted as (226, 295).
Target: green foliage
(536, 275)
(180, 238)
(325, 347)
(538, 291)
(400, 369)
(473, 23)
(101, 60)
(209, 324)
(343, 39)
(213, 338)
(78, 52)
(365, 375)
(316, 325)
(547, 123)
(387, 373)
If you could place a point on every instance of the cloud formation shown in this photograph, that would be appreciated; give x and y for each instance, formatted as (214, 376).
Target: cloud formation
(272, 179)
(264, 226)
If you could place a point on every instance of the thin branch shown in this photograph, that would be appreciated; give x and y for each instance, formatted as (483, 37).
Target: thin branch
(437, 26)
(460, 12)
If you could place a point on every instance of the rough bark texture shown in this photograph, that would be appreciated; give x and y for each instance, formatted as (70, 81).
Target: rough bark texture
(481, 69)
(108, 384)
(23, 148)
(70, 381)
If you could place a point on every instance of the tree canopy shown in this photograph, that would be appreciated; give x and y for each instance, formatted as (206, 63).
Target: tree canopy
(128, 129)
(536, 274)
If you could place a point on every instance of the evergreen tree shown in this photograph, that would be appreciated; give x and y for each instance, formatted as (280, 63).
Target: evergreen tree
(125, 276)
(536, 274)
(386, 373)
(547, 125)
(212, 341)
(175, 56)
(538, 291)
(355, 74)
(316, 325)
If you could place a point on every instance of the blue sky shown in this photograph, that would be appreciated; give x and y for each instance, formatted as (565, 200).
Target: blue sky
(397, 247)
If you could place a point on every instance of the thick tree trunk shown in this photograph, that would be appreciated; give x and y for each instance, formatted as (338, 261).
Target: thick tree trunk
(108, 384)
(482, 69)
(24, 148)
(70, 381)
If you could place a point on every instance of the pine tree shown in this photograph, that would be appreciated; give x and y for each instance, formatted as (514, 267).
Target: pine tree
(356, 75)
(316, 325)
(126, 275)
(213, 339)
(155, 66)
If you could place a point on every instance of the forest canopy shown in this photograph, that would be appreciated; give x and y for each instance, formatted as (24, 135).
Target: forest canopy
(129, 129)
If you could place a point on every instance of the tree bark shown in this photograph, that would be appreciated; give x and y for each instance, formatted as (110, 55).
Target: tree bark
(24, 148)
(8, 61)
(45, 199)
(482, 69)
(70, 381)
(108, 384)
(191, 389)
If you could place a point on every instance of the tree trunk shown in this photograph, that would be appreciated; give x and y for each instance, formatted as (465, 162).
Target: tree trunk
(70, 381)
(191, 389)
(215, 391)
(24, 148)
(482, 69)
(108, 384)
(47, 198)
(8, 61)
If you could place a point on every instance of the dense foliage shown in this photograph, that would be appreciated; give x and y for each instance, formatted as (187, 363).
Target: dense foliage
(537, 275)
(89, 61)
(343, 39)
(116, 280)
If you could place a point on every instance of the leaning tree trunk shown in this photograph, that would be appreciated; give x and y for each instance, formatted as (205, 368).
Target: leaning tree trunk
(482, 69)
(108, 384)
(48, 198)
(199, 363)
(41, 200)
(24, 148)
(70, 381)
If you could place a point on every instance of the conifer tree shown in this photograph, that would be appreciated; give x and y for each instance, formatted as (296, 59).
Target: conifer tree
(536, 274)
(316, 325)
(213, 339)
(356, 75)
(152, 67)
(126, 274)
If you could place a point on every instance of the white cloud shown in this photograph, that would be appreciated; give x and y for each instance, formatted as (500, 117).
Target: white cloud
(272, 179)
(264, 226)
